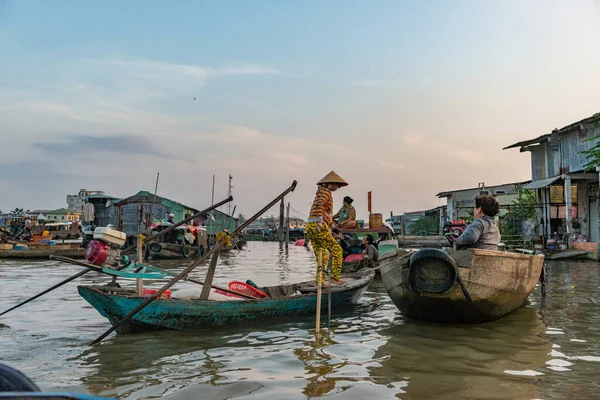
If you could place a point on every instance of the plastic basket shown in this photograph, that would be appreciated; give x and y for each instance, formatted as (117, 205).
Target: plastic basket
(245, 288)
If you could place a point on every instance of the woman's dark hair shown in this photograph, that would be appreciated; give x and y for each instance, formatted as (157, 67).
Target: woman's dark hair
(370, 239)
(348, 199)
(488, 204)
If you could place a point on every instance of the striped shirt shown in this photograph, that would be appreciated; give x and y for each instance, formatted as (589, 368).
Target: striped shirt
(322, 205)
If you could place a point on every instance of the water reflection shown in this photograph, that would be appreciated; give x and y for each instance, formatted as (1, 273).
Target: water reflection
(371, 352)
(481, 361)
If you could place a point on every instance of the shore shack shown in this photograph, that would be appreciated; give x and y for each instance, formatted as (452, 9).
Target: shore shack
(567, 195)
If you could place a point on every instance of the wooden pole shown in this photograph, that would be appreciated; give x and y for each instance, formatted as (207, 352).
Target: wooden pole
(210, 274)
(319, 289)
(287, 225)
(568, 206)
(281, 218)
(193, 265)
(598, 207)
(213, 192)
(140, 255)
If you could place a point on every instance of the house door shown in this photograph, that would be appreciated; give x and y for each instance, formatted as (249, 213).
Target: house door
(593, 220)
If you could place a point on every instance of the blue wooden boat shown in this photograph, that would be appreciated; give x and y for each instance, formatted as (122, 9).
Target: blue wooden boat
(292, 300)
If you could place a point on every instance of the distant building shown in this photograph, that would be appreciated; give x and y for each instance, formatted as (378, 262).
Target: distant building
(104, 210)
(75, 202)
(63, 215)
(460, 203)
(560, 182)
(403, 224)
(137, 213)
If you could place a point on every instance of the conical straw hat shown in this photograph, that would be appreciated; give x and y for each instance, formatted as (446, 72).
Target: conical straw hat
(332, 177)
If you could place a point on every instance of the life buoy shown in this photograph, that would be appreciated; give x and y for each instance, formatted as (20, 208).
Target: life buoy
(185, 251)
(432, 271)
(155, 247)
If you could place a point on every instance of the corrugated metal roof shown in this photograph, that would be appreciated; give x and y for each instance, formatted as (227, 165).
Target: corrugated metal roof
(542, 183)
(565, 129)
(445, 194)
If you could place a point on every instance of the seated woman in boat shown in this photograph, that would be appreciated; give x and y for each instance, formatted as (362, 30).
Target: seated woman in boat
(482, 233)
(346, 217)
(370, 250)
(224, 235)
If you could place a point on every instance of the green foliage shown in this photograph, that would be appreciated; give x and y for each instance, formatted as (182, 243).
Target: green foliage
(507, 230)
(425, 226)
(524, 207)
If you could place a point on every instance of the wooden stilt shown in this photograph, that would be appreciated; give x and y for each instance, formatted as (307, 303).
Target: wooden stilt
(319, 289)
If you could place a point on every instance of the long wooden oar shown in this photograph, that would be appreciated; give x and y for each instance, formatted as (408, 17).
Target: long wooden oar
(319, 288)
(131, 247)
(48, 290)
(167, 273)
(194, 264)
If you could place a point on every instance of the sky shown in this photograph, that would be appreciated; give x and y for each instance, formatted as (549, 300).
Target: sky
(404, 99)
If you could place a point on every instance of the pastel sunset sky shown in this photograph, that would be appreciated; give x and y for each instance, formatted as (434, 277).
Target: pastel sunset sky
(405, 99)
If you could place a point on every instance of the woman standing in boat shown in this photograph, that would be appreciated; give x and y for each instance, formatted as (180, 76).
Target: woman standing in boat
(482, 233)
(318, 228)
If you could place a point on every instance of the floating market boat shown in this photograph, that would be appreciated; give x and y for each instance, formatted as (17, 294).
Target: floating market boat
(192, 314)
(464, 286)
(36, 251)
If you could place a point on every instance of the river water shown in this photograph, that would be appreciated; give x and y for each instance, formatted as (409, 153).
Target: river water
(547, 350)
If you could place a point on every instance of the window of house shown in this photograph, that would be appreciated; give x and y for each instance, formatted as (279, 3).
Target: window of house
(557, 194)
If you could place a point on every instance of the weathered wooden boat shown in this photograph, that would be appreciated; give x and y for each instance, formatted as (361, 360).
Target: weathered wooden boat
(464, 286)
(192, 314)
(37, 252)
(386, 248)
(182, 242)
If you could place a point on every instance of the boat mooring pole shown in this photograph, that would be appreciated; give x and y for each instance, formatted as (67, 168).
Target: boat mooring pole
(319, 288)
(287, 226)
(140, 255)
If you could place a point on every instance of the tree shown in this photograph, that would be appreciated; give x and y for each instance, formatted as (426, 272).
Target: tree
(523, 207)
(424, 226)
(593, 154)
(242, 218)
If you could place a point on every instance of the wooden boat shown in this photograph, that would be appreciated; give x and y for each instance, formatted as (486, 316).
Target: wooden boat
(44, 251)
(194, 242)
(464, 286)
(386, 248)
(191, 314)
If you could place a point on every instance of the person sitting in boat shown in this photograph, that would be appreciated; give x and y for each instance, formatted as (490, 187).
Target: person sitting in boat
(346, 217)
(224, 235)
(482, 233)
(319, 223)
(171, 219)
(370, 252)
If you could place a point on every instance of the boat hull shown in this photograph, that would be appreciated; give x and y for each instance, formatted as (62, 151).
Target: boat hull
(77, 253)
(200, 314)
(496, 283)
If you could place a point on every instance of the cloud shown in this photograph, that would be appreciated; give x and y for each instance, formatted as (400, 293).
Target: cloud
(414, 138)
(158, 70)
(378, 83)
(387, 164)
(120, 143)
